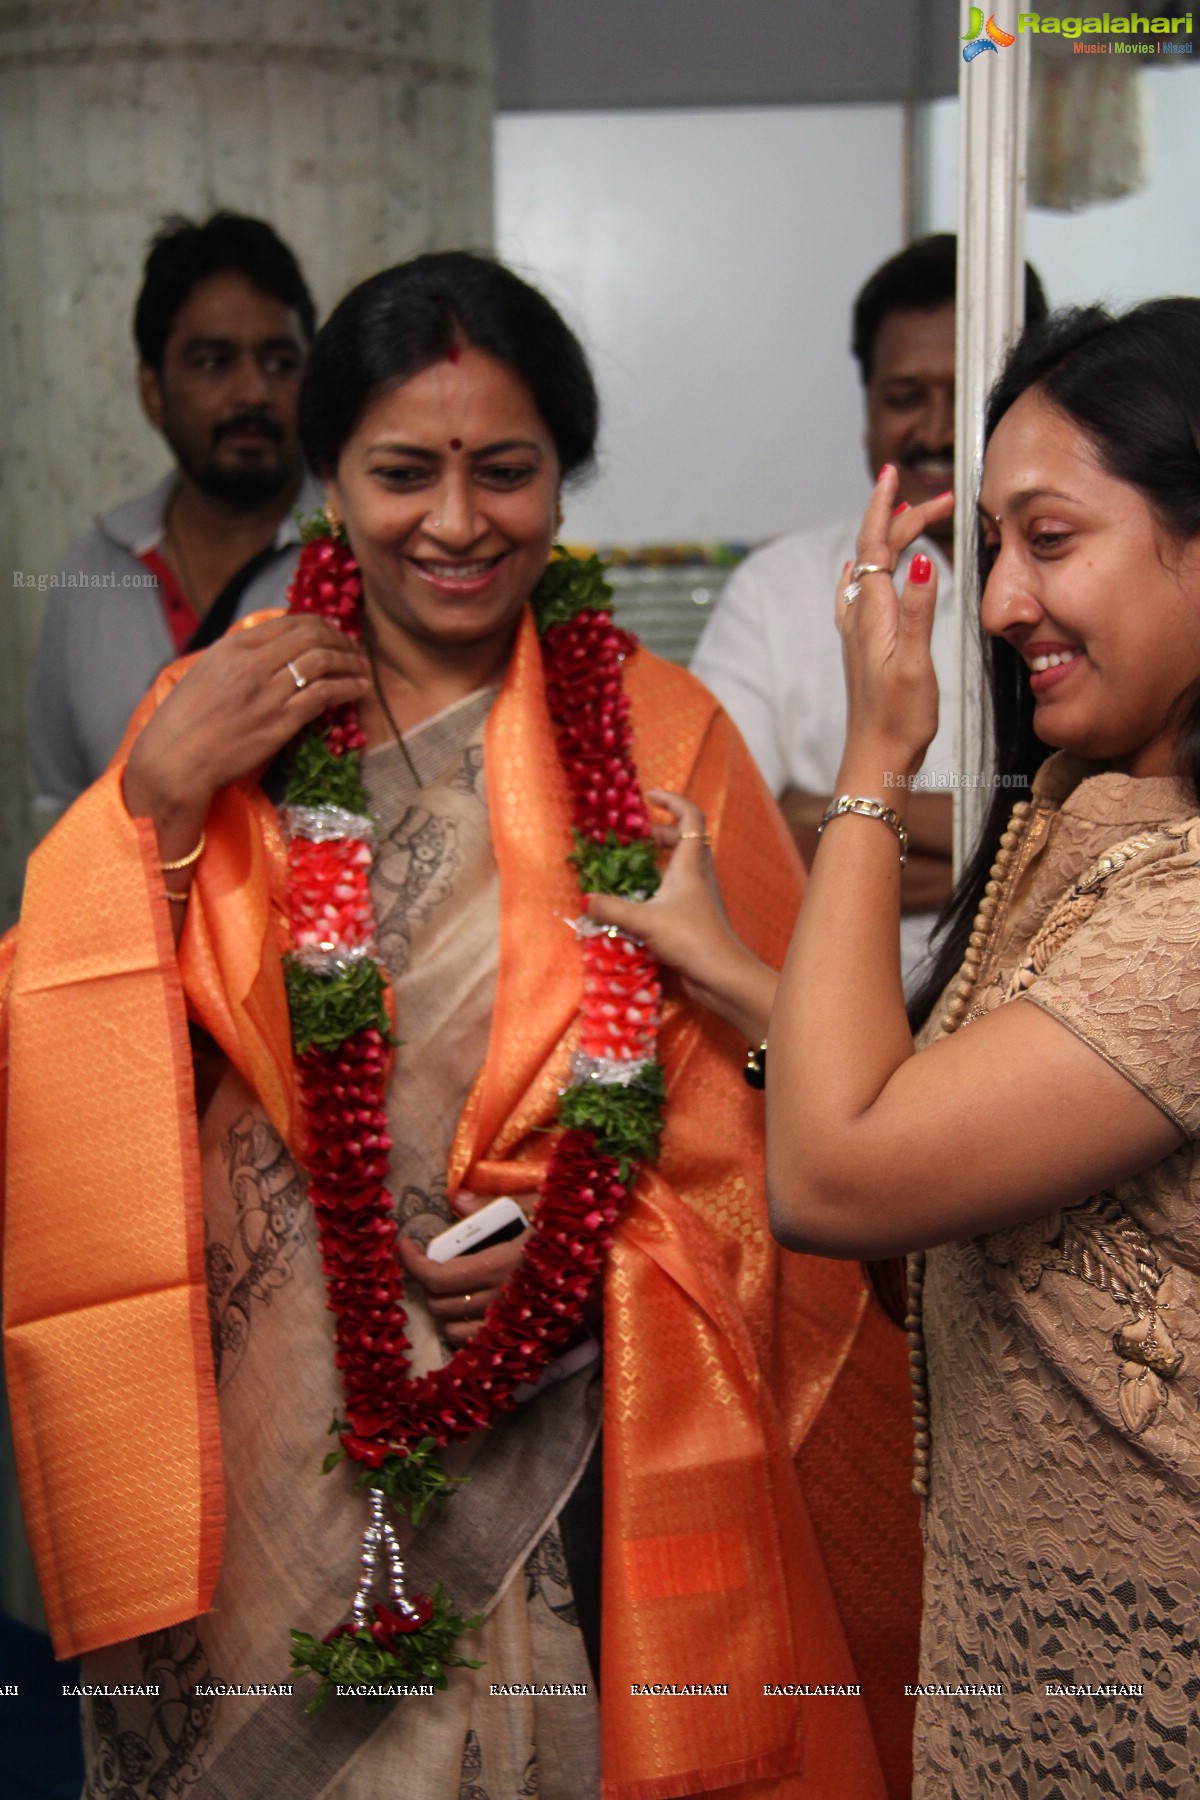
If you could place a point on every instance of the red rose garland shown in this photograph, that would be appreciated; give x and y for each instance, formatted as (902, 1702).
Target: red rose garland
(611, 1113)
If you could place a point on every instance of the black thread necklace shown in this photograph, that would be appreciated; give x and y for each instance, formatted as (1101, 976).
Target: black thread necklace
(368, 638)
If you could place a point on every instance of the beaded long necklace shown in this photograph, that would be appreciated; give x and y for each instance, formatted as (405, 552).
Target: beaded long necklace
(1004, 871)
(610, 1114)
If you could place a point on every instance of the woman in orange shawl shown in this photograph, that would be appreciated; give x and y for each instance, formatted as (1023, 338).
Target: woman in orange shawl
(170, 1351)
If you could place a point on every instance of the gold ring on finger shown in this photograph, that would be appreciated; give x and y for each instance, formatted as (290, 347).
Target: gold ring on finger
(853, 587)
(300, 680)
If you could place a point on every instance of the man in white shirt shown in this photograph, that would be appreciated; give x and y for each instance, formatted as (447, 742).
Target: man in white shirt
(771, 652)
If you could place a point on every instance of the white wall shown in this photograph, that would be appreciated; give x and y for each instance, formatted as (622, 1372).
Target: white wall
(1119, 251)
(709, 259)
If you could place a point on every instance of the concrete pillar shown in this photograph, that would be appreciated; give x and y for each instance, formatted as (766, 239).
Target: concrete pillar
(360, 128)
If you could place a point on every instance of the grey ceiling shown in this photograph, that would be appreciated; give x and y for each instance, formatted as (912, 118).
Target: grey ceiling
(614, 53)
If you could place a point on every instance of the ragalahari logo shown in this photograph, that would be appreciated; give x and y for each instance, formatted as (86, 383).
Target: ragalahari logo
(983, 37)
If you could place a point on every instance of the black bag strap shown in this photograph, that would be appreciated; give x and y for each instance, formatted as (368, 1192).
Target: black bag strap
(223, 611)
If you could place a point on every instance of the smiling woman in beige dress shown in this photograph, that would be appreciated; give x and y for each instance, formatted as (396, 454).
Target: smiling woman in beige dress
(1034, 1150)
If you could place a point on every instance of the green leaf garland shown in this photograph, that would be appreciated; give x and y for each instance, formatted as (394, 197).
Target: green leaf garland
(356, 1660)
(413, 1483)
(328, 1006)
(626, 1121)
(569, 585)
(612, 867)
(316, 777)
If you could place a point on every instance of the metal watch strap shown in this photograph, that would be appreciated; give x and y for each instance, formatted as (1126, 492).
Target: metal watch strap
(866, 808)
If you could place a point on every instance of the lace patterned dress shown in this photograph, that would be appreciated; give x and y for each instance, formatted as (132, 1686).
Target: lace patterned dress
(1063, 1355)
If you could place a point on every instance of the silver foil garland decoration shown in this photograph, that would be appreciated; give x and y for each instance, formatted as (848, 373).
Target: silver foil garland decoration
(321, 824)
(378, 1536)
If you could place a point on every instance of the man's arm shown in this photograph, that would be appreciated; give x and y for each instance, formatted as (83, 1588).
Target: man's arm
(926, 879)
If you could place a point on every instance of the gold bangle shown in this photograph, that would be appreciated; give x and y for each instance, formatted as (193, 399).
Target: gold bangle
(179, 899)
(184, 862)
(868, 809)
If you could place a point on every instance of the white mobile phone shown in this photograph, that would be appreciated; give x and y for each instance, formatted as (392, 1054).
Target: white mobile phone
(494, 1223)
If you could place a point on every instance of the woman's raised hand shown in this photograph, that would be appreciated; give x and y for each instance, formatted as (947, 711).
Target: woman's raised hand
(239, 704)
(686, 926)
(891, 688)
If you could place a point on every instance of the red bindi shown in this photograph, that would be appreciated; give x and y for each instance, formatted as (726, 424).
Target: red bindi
(453, 353)
(456, 443)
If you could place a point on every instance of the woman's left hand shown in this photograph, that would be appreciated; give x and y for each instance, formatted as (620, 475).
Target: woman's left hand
(684, 923)
(891, 688)
(686, 927)
(459, 1292)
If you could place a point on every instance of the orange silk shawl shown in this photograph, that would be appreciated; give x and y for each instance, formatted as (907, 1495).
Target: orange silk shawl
(722, 1352)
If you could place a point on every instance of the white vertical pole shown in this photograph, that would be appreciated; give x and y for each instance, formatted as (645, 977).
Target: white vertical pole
(993, 95)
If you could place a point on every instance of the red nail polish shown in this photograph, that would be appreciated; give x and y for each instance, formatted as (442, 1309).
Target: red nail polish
(920, 569)
(903, 507)
(883, 471)
(945, 494)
